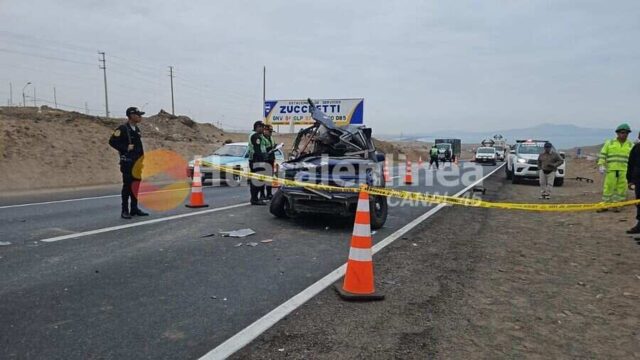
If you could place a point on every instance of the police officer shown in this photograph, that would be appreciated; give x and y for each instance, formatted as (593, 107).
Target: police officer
(270, 145)
(257, 161)
(127, 140)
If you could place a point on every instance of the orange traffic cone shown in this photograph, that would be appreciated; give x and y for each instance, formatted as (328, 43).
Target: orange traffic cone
(408, 178)
(275, 183)
(197, 197)
(387, 176)
(358, 279)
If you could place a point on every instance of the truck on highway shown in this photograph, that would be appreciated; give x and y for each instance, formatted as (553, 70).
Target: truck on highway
(522, 162)
(448, 149)
(339, 156)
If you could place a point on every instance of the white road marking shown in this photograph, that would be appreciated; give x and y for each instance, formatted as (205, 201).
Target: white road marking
(141, 223)
(248, 334)
(84, 199)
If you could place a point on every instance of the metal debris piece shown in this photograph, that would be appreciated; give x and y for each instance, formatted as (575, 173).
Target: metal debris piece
(238, 233)
(267, 241)
(4, 243)
(252, 244)
(237, 245)
(208, 235)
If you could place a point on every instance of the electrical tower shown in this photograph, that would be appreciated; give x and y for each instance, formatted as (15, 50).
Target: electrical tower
(103, 66)
(173, 109)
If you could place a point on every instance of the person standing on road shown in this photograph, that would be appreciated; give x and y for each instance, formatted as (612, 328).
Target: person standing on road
(612, 163)
(633, 178)
(127, 140)
(433, 157)
(270, 145)
(548, 163)
(257, 161)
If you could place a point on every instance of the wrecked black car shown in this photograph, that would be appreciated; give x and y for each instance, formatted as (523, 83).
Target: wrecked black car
(330, 155)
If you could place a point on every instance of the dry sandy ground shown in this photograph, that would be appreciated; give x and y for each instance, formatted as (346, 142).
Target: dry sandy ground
(475, 283)
(51, 149)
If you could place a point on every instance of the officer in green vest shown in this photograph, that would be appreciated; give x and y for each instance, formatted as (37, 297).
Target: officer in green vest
(612, 163)
(257, 161)
(433, 153)
(270, 145)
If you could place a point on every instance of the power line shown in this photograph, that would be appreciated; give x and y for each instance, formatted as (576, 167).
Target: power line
(44, 57)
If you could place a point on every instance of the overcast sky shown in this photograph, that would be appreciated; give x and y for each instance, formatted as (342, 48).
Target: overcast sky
(420, 65)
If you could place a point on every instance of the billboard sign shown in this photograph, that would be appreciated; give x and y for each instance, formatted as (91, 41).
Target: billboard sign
(296, 112)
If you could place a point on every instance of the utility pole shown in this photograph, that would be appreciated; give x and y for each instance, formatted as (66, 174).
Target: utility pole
(86, 108)
(10, 94)
(173, 109)
(34, 97)
(55, 99)
(24, 97)
(104, 71)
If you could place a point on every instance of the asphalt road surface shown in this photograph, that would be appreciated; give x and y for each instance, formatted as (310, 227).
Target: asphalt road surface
(75, 284)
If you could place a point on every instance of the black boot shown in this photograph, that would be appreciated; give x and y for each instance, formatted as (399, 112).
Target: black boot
(138, 212)
(125, 214)
(635, 229)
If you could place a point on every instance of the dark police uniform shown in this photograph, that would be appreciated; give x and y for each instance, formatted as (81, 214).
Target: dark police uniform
(257, 164)
(120, 140)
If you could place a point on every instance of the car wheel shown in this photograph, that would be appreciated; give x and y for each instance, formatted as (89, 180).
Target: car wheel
(509, 173)
(378, 210)
(232, 179)
(558, 182)
(278, 205)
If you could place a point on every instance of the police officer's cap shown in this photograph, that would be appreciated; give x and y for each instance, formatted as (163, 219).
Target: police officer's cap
(257, 124)
(134, 111)
(548, 145)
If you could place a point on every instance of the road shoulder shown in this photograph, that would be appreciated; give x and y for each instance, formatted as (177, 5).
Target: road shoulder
(485, 283)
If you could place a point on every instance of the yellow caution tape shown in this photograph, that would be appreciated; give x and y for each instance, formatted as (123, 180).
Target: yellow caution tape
(426, 198)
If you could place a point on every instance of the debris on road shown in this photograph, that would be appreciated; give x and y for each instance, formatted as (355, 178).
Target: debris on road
(238, 233)
(266, 241)
(252, 244)
(4, 243)
(208, 235)
(237, 245)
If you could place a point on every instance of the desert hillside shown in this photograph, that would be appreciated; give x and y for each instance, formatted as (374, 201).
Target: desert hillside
(50, 148)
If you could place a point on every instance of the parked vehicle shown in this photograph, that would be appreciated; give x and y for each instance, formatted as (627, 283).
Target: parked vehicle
(234, 155)
(522, 162)
(448, 149)
(486, 154)
(327, 154)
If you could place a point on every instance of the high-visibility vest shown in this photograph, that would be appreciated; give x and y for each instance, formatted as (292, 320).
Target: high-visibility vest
(615, 155)
(434, 151)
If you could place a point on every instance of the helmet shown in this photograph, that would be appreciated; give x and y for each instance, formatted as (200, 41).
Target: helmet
(548, 145)
(623, 127)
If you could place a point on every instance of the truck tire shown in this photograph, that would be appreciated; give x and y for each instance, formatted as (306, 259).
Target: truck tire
(378, 210)
(277, 205)
(558, 181)
(509, 173)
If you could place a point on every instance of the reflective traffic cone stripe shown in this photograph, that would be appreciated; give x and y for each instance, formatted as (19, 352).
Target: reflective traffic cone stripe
(197, 197)
(387, 177)
(358, 279)
(275, 183)
(408, 178)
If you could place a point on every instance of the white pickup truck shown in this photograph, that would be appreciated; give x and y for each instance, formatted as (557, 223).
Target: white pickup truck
(522, 162)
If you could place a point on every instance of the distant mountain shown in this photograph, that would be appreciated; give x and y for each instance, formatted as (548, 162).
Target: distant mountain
(563, 136)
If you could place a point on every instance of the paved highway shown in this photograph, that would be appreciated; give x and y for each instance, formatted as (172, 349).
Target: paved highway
(75, 284)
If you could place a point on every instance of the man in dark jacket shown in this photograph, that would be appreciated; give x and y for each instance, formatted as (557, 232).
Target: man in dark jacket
(127, 140)
(633, 178)
(257, 161)
(548, 163)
